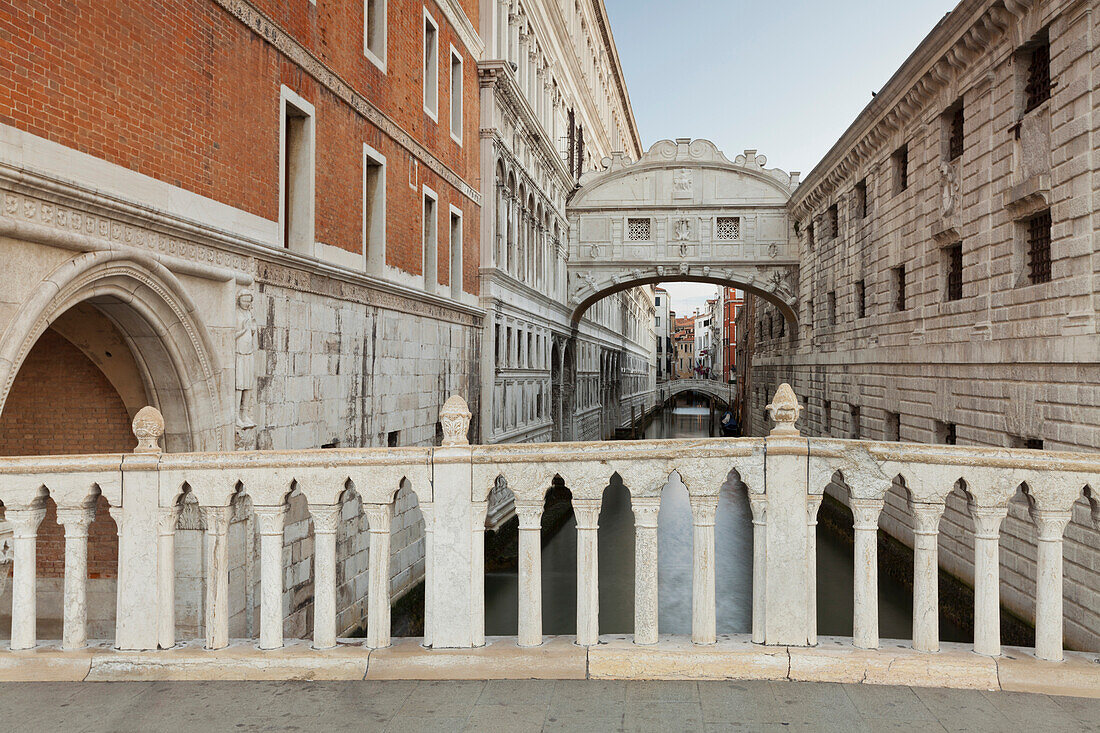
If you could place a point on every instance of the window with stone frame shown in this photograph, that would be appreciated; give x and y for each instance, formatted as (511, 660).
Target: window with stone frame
(810, 235)
(1026, 443)
(374, 32)
(953, 130)
(826, 416)
(898, 275)
(831, 304)
(782, 326)
(1038, 248)
(833, 218)
(953, 271)
(1037, 83)
(728, 227)
(892, 426)
(637, 230)
(861, 298)
(900, 160)
(861, 199)
(855, 420)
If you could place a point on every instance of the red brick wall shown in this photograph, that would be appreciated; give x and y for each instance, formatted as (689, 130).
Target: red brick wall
(55, 384)
(183, 92)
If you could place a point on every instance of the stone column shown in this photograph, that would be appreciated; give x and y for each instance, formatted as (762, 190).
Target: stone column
(326, 518)
(427, 511)
(76, 521)
(645, 568)
(1051, 526)
(167, 517)
(926, 569)
(216, 546)
(865, 578)
(379, 518)
(587, 512)
(987, 568)
(270, 520)
(24, 523)
(813, 504)
(758, 503)
(477, 574)
(703, 620)
(530, 572)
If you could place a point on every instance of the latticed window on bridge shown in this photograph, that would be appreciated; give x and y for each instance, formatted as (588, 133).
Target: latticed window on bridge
(1038, 247)
(861, 299)
(637, 230)
(955, 131)
(1037, 88)
(729, 227)
(953, 255)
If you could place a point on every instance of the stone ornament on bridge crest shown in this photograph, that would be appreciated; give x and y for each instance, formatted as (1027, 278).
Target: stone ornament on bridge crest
(784, 411)
(455, 417)
(147, 427)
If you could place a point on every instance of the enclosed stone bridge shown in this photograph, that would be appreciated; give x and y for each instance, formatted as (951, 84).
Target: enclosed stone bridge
(712, 388)
(683, 212)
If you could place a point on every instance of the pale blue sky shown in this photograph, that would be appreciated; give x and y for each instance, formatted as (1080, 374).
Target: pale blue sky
(785, 77)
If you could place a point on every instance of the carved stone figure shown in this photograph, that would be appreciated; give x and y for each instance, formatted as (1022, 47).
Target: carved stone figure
(246, 360)
(682, 231)
(949, 188)
(682, 184)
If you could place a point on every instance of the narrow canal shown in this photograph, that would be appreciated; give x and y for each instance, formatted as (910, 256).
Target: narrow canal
(733, 544)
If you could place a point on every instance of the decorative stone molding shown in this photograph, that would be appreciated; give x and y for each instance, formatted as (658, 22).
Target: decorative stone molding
(455, 417)
(147, 427)
(326, 517)
(784, 410)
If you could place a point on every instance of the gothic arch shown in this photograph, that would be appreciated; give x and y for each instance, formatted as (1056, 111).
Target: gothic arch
(149, 307)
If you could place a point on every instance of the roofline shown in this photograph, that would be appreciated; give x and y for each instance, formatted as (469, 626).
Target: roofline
(620, 79)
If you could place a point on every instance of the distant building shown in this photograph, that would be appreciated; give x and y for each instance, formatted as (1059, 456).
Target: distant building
(733, 300)
(662, 327)
(683, 344)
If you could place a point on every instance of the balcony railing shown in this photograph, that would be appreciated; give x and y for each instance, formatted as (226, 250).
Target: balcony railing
(785, 475)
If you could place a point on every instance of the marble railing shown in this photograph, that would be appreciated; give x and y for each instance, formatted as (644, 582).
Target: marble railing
(785, 475)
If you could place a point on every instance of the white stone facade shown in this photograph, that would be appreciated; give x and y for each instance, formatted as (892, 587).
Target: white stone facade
(886, 345)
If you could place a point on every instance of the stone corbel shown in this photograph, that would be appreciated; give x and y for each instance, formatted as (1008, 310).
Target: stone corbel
(1029, 197)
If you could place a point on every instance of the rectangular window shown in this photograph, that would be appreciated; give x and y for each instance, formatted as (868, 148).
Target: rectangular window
(1038, 248)
(431, 67)
(374, 32)
(832, 308)
(1016, 441)
(861, 199)
(810, 236)
(456, 96)
(374, 210)
(393, 439)
(946, 433)
(728, 227)
(658, 321)
(861, 299)
(827, 416)
(637, 230)
(953, 261)
(855, 423)
(456, 253)
(297, 158)
(899, 287)
(892, 428)
(953, 127)
(834, 221)
(1037, 86)
(430, 241)
(901, 169)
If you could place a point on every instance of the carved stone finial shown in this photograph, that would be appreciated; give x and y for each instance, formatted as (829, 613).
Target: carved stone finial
(148, 426)
(455, 417)
(784, 411)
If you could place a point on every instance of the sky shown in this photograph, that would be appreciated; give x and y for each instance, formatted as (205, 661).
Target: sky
(785, 77)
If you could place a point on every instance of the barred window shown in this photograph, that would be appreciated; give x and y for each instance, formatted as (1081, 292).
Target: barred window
(953, 256)
(901, 168)
(810, 235)
(892, 427)
(855, 422)
(834, 222)
(1037, 88)
(861, 299)
(637, 230)
(955, 131)
(861, 199)
(729, 227)
(832, 308)
(1038, 247)
(826, 415)
(899, 287)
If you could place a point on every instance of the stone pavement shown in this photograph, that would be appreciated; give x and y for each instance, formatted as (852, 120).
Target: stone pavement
(530, 705)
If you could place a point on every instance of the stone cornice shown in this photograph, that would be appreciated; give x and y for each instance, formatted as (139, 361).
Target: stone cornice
(613, 53)
(257, 22)
(956, 42)
(457, 19)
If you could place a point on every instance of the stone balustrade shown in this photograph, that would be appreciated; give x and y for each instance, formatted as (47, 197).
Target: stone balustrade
(785, 475)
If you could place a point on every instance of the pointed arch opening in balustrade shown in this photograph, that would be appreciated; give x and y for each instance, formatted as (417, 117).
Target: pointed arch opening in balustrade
(502, 558)
(408, 542)
(733, 540)
(559, 560)
(674, 558)
(616, 559)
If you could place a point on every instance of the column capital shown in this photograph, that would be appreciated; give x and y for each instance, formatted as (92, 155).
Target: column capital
(813, 504)
(758, 503)
(530, 514)
(1051, 523)
(167, 517)
(76, 519)
(645, 510)
(326, 517)
(270, 519)
(379, 517)
(216, 518)
(24, 521)
(587, 512)
(479, 513)
(926, 518)
(987, 521)
(703, 510)
(866, 512)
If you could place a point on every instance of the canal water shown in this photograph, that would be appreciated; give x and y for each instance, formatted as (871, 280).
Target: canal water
(733, 571)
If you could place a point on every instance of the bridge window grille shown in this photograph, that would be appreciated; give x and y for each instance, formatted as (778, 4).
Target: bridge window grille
(861, 299)
(954, 257)
(1037, 88)
(729, 227)
(637, 230)
(1038, 247)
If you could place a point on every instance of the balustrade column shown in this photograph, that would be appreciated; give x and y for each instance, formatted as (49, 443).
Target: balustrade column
(271, 519)
(530, 572)
(379, 519)
(758, 503)
(326, 518)
(865, 585)
(216, 547)
(645, 568)
(587, 512)
(167, 518)
(477, 574)
(76, 521)
(24, 523)
(813, 504)
(926, 568)
(1051, 526)
(703, 622)
(987, 568)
